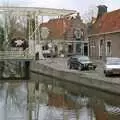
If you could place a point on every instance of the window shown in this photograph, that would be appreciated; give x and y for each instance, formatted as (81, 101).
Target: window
(101, 45)
(108, 48)
(92, 43)
(101, 42)
(74, 59)
(92, 47)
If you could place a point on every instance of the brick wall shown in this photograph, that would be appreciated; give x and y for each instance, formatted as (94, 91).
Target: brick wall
(95, 41)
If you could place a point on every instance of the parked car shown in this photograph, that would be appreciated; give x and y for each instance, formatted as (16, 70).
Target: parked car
(80, 63)
(48, 53)
(112, 66)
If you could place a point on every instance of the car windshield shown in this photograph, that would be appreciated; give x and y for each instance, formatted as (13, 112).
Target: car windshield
(113, 63)
(112, 59)
(83, 58)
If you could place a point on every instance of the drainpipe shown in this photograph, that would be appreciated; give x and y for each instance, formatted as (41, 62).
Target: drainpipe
(104, 49)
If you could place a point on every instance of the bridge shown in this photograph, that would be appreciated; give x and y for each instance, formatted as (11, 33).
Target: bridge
(14, 64)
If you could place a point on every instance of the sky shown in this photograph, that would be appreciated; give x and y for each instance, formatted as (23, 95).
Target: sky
(82, 6)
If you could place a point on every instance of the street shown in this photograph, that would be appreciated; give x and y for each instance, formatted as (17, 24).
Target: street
(61, 64)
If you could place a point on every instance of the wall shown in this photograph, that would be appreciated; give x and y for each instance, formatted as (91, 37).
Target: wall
(79, 78)
(114, 38)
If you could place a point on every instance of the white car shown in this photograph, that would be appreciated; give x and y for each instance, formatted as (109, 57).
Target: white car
(112, 66)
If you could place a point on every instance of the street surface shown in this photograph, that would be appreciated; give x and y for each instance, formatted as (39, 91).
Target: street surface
(61, 64)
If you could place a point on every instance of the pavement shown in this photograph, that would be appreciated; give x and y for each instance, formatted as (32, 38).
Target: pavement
(61, 64)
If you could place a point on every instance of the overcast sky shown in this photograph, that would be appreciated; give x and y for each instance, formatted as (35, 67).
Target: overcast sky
(81, 6)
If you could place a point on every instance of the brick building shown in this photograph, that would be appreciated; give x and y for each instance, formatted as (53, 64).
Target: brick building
(69, 31)
(104, 36)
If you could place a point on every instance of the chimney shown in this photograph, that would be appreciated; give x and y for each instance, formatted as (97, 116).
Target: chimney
(101, 10)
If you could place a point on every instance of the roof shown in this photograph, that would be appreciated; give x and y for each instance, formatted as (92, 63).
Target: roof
(57, 27)
(109, 22)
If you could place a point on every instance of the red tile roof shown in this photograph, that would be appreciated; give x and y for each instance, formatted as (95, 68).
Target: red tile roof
(109, 22)
(57, 27)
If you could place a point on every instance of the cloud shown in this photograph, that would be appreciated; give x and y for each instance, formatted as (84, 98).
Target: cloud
(36, 3)
(81, 6)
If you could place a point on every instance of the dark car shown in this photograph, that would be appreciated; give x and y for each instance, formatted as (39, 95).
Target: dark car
(80, 63)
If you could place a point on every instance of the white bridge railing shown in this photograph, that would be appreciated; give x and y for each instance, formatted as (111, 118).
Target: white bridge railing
(15, 55)
(11, 53)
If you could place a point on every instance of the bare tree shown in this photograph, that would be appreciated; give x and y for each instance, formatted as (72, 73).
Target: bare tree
(90, 13)
(17, 26)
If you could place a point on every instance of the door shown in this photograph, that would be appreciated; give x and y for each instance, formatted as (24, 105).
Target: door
(85, 49)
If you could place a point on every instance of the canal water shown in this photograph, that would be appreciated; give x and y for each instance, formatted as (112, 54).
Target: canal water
(44, 98)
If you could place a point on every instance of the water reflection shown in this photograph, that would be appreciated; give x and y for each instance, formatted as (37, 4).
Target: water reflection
(43, 100)
(13, 101)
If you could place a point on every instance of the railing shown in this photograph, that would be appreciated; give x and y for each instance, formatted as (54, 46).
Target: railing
(15, 55)
(11, 53)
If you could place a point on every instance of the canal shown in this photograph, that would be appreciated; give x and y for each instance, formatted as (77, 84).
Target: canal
(44, 98)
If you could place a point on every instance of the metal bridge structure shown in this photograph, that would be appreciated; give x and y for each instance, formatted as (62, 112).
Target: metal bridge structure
(28, 14)
(30, 19)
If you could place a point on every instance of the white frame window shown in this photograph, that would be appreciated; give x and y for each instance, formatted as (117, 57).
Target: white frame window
(92, 47)
(101, 45)
(108, 48)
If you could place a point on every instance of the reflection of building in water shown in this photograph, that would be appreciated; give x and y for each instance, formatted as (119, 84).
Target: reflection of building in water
(113, 111)
(73, 107)
(60, 101)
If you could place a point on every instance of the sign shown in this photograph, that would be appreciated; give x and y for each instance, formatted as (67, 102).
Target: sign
(44, 32)
(78, 33)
